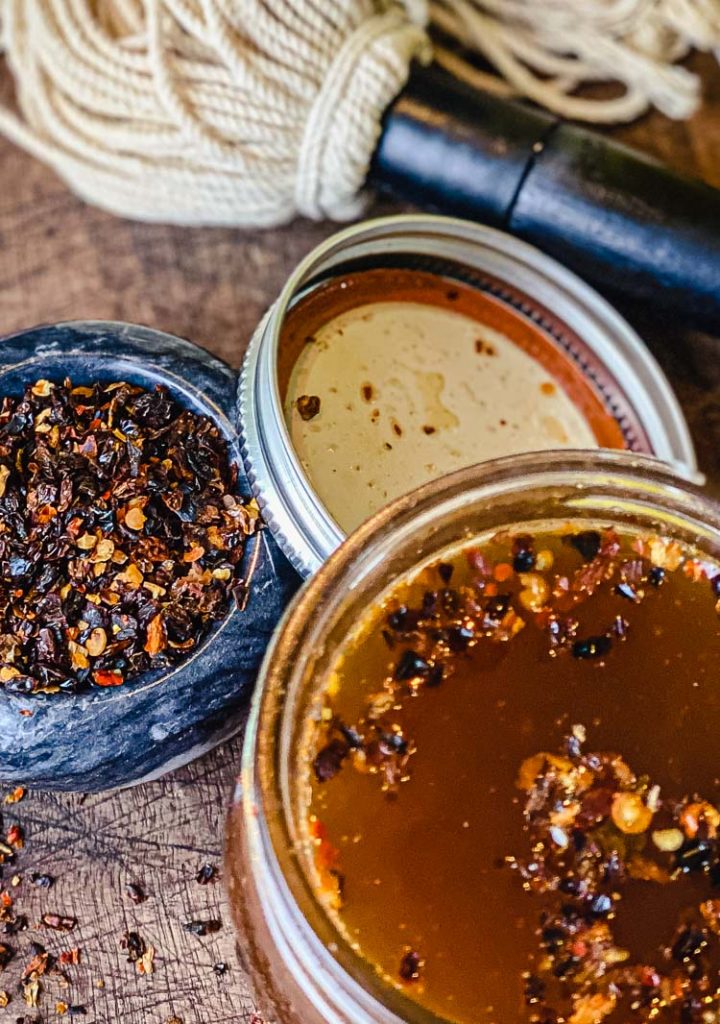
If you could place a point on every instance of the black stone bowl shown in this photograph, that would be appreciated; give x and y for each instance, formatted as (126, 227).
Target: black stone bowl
(106, 738)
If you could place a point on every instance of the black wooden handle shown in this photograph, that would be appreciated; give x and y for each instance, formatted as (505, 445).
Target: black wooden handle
(620, 219)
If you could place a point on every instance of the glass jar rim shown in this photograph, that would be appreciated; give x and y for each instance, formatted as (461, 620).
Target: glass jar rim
(652, 489)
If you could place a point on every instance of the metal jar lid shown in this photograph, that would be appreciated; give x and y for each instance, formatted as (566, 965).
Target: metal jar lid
(585, 328)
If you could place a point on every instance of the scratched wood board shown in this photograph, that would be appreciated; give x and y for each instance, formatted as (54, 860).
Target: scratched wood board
(60, 259)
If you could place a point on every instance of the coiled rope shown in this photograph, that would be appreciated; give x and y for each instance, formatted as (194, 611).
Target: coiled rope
(249, 112)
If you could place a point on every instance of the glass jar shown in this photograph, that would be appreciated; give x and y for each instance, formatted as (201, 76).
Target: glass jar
(304, 970)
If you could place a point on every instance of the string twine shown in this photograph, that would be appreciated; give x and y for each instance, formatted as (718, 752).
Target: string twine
(248, 112)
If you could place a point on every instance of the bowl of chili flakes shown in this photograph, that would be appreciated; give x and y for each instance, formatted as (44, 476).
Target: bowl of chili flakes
(138, 589)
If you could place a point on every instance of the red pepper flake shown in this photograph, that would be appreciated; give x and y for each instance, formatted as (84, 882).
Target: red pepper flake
(58, 922)
(39, 964)
(70, 957)
(121, 528)
(502, 572)
(15, 837)
(694, 570)
(411, 965)
(105, 678)
(16, 796)
(156, 636)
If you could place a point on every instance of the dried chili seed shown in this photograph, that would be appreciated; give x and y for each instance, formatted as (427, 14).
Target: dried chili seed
(411, 666)
(402, 620)
(410, 966)
(445, 571)
(121, 535)
(18, 924)
(135, 946)
(587, 543)
(695, 855)
(601, 905)
(308, 406)
(627, 591)
(689, 944)
(135, 892)
(202, 927)
(329, 760)
(206, 874)
(656, 576)
(533, 989)
(592, 647)
(352, 736)
(524, 561)
(41, 881)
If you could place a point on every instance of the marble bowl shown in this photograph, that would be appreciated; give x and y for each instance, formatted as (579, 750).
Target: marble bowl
(108, 738)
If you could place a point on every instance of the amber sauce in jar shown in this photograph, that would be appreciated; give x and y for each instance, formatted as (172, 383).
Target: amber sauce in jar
(512, 781)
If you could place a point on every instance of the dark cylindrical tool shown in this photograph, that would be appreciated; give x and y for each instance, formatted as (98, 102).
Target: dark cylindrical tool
(622, 220)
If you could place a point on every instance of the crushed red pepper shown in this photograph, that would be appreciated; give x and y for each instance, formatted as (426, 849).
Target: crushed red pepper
(589, 607)
(594, 826)
(121, 533)
(308, 406)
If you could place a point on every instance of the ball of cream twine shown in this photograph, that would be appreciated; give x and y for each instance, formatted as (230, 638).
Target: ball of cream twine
(248, 112)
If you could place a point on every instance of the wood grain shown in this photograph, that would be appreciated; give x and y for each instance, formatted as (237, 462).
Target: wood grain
(60, 259)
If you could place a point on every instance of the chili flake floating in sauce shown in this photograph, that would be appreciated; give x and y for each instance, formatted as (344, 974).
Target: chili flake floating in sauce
(120, 534)
(494, 884)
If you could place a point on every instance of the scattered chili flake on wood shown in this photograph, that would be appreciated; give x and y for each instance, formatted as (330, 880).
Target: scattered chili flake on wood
(135, 945)
(31, 991)
(41, 881)
(145, 965)
(4, 999)
(202, 927)
(16, 796)
(15, 837)
(70, 957)
(104, 490)
(308, 406)
(58, 922)
(206, 874)
(135, 892)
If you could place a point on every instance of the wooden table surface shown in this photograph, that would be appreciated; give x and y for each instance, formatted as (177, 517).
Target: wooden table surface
(60, 259)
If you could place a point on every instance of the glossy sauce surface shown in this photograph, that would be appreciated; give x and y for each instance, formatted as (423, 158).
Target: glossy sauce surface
(423, 842)
(401, 377)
